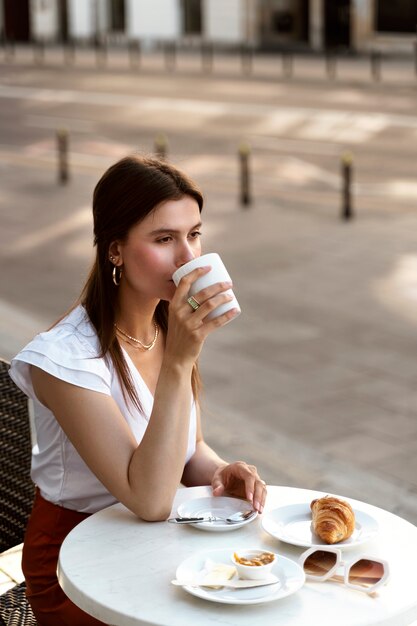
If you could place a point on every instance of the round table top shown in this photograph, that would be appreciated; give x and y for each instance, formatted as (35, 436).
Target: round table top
(119, 569)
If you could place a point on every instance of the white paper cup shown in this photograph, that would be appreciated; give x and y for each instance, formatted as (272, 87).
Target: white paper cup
(217, 274)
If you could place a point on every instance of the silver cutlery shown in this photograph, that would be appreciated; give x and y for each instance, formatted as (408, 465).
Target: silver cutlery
(231, 584)
(236, 518)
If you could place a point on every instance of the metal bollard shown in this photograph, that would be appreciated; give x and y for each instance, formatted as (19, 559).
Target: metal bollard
(415, 56)
(207, 53)
(39, 51)
(101, 50)
(247, 59)
(69, 52)
(62, 145)
(346, 168)
(9, 49)
(170, 53)
(375, 59)
(244, 153)
(161, 146)
(287, 64)
(134, 53)
(331, 65)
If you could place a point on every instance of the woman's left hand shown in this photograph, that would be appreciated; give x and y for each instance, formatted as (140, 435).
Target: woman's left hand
(240, 480)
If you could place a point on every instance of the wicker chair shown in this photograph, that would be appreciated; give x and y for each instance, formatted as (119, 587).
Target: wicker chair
(16, 489)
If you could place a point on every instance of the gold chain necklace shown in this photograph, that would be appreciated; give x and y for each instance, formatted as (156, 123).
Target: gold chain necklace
(145, 346)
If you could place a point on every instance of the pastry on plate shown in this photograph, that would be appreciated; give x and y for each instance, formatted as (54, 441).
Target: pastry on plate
(333, 519)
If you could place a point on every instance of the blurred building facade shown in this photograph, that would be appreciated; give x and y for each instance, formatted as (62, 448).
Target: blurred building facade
(269, 24)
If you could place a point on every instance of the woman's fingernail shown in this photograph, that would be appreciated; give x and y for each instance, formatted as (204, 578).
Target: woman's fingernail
(257, 506)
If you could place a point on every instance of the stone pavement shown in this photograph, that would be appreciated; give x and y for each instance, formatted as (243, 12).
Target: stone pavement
(319, 370)
(397, 67)
(315, 381)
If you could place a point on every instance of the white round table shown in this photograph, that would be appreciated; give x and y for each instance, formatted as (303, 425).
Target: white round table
(118, 569)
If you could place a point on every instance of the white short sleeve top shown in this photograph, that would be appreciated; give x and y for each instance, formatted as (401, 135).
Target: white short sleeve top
(70, 351)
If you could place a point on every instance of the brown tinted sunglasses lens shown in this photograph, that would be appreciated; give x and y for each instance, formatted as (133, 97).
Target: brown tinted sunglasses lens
(319, 563)
(366, 573)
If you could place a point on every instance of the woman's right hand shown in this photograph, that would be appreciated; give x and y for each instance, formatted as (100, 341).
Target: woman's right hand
(188, 328)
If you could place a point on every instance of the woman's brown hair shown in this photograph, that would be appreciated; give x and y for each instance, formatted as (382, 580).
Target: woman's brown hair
(126, 193)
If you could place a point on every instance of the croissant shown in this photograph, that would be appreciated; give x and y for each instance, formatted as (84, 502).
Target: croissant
(333, 519)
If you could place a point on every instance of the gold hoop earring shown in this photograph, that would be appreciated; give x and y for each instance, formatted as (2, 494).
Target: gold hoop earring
(116, 279)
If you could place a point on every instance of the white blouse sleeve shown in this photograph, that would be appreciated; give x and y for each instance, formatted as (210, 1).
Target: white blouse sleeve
(65, 353)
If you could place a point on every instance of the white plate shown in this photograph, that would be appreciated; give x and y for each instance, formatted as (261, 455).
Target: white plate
(219, 507)
(292, 524)
(291, 577)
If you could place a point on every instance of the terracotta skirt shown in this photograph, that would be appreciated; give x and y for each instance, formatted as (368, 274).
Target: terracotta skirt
(48, 526)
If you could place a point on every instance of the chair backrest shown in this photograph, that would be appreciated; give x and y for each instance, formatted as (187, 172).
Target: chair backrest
(16, 486)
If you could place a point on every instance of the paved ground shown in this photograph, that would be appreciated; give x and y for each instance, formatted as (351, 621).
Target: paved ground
(316, 380)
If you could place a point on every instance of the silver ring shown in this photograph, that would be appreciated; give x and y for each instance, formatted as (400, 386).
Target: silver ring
(193, 303)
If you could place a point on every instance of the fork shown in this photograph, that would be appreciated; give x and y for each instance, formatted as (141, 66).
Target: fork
(236, 518)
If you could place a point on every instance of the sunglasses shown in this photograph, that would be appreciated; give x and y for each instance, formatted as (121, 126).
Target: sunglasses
(362, 573)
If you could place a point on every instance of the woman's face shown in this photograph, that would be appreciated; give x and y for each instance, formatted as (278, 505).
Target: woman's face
(158, 245)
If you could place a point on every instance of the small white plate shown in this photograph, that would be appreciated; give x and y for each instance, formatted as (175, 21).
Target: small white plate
(219, 507)
(290, 578)
(293, 524)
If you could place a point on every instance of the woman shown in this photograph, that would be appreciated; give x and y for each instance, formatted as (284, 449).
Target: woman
(115, 382)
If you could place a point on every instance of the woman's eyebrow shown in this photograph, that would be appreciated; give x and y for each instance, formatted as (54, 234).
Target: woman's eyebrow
(160, 231)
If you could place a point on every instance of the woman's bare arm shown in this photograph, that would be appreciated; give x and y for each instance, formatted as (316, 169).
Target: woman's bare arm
(143, 477)
(237, 479)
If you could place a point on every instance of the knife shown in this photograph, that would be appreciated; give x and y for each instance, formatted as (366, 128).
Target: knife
(187, 520)
(232, 584)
